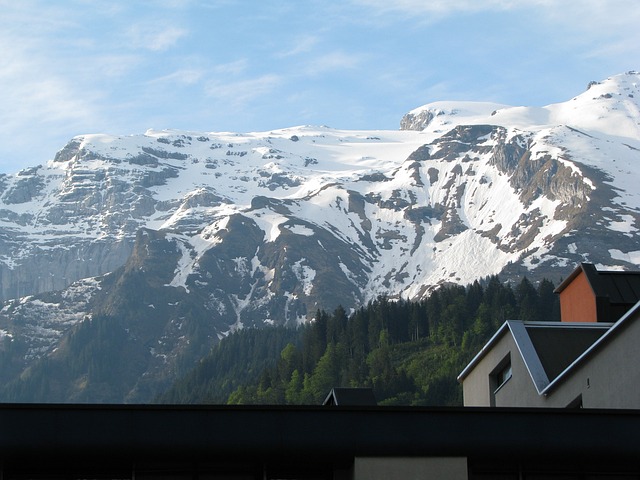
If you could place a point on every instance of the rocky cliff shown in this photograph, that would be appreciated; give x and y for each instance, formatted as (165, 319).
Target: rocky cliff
(182, 237)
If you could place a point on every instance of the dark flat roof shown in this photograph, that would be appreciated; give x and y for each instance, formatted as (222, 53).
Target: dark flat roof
(120, 433)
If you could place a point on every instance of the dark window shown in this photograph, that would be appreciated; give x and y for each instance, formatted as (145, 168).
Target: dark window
(498, 377)
(503, 375)
(576, 402)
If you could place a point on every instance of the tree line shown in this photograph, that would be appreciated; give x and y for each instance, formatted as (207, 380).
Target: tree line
(409, 352)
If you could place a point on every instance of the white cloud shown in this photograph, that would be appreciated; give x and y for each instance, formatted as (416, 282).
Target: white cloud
(333, 61)
(449, 7)
(174, 4)
(598, 30)
(232, 68)
(243, 91)
(595, 16)
(155, 37)
(53, 77)
(109, 65)
(76, 66)
(32, 88)
(187, 76)
(302, 44)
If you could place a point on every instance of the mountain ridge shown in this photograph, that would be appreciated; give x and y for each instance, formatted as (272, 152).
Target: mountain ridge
(172, 232)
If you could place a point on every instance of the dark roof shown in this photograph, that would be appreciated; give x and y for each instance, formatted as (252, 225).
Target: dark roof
(616, 329)
(358, 397)
(541, 345)
(559, 346)
(620, 287)
(113, 435)
(569, 342)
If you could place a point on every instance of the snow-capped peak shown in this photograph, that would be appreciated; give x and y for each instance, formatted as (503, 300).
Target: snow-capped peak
(610, 107)
(266, 227)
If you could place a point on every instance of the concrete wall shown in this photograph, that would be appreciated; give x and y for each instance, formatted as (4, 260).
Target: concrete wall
(410, 468)
(518, 390)
(609, 378)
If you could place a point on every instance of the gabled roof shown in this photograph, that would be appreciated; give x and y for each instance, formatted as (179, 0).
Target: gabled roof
(547, 348)
(620, 287)
(552, 350)
(615, 329)
(357, 397)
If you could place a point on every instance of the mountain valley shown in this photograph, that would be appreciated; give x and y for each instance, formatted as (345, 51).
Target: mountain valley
(173, 240)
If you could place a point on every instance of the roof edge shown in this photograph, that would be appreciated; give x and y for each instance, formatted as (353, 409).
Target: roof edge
(576, 271)
(480, 355)
(568, 325)
(529, 354)
(612, 330)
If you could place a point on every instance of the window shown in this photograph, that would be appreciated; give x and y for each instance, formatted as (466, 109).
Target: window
(503, 375)
(498, 377)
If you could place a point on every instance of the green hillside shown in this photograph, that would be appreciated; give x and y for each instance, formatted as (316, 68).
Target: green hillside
(410, 353)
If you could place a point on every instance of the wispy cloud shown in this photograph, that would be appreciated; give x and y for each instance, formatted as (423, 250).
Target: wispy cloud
(606, 30)
(300, 45)
(332, 61)
(236, 67)
(172, 4)
(39, 110)
(33, 87)
(243, 91)
(596, 16)
(74, 66)
(447, 7)
(155, 37)
(186, 76)
(53, 76)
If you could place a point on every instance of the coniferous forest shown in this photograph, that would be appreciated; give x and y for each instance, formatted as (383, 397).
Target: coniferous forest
(410, 353)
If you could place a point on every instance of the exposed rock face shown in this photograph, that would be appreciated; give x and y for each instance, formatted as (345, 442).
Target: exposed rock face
(179, 238)
(417, 121)
(54, 268)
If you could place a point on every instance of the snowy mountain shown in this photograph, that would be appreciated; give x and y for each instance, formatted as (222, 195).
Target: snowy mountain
(209, 232)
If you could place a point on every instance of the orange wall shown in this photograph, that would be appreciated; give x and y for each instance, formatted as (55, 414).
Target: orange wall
(577, 301)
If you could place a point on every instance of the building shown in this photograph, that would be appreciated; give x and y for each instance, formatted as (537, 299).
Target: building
(149, 442)
(589, 359)
(589, 295)
(351, 438)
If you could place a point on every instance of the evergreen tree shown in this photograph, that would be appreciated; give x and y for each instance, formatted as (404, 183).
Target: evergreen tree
(527, 298)
(409, 352)
(548, 301)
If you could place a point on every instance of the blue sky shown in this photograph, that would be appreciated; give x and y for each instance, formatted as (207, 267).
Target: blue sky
(122, 66)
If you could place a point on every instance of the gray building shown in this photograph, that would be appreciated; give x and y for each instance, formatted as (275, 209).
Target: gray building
(591, 364)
